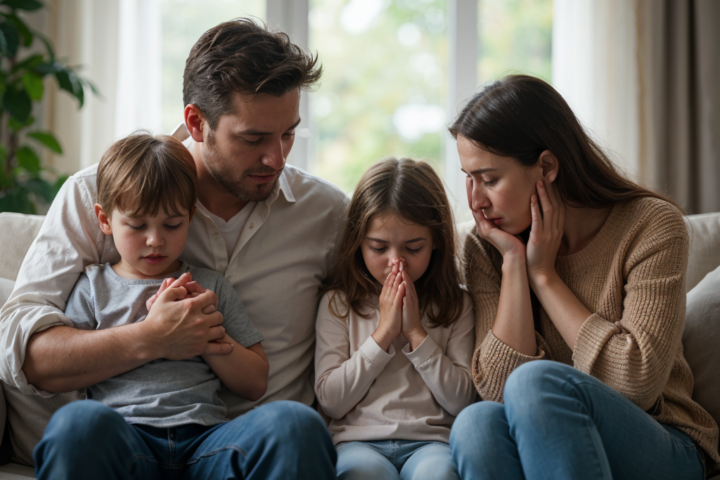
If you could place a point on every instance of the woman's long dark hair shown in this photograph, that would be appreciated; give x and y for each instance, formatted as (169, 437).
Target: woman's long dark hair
(412, 190)
(521, 116)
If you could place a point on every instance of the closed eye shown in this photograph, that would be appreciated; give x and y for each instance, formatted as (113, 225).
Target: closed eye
(172, 227)
(139, 227)
(378, 250)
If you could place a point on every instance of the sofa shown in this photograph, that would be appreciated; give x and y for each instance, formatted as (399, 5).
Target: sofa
(21, 422)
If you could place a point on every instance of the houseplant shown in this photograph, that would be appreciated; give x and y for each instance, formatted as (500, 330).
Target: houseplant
(25, 182)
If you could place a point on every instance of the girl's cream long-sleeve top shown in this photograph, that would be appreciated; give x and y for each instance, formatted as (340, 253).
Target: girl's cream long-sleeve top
(632, 277)
(371, 394)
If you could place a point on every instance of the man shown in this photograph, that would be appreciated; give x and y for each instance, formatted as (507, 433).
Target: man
(268, 227)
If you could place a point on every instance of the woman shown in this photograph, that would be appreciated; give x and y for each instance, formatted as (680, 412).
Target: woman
(571, 262)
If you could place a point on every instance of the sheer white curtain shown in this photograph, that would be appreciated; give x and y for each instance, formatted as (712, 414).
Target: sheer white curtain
(595, 69)
(85, 33)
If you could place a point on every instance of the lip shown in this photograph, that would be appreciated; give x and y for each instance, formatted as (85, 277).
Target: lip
(263, 178)
(154, 259)
(495, 220)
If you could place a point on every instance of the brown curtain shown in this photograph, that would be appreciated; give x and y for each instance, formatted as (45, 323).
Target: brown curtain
(679, 79)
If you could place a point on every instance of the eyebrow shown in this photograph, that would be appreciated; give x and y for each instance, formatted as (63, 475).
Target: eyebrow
(385, 241)
(480, 171)
(251, 131)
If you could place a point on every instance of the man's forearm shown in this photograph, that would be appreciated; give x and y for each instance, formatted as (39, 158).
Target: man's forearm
(63, 359)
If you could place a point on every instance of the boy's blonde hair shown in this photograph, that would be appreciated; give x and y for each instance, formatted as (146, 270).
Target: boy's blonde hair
(140, 173)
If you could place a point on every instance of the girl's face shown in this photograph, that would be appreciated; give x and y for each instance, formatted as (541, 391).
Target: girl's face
(390, 237)
(498, 187)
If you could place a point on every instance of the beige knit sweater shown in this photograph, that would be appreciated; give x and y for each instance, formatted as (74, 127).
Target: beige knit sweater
(632, 277)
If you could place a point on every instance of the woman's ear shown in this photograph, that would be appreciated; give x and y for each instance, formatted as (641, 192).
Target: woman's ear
(103, 220)
(550, 165)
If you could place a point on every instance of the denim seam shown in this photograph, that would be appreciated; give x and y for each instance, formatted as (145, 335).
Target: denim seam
(236, 448)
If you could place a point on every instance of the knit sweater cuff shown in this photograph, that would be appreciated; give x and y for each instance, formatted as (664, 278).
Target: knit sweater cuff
(591, 339)
(499, 360)
(375, 354)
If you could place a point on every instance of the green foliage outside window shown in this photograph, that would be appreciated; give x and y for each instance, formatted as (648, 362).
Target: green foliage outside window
(25, 182)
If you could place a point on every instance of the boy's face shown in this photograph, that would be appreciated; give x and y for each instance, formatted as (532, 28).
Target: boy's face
(149, 245)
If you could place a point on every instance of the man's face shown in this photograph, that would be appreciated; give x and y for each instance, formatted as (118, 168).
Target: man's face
(247, 151)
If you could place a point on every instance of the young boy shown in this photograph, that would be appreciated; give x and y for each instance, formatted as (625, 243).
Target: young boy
(146, 200)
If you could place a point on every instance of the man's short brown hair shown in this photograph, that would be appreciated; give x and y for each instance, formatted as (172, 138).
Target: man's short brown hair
(141, 173)
(242, 56)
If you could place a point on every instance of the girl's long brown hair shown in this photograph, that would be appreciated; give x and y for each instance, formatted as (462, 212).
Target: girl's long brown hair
(412, 190)
(521, 116)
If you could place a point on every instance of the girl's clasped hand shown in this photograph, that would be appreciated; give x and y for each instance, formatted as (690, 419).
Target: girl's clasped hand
(399, 308)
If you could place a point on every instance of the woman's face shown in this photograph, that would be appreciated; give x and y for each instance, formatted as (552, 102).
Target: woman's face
(498, 187)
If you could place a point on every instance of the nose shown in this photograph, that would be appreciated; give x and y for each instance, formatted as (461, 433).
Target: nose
(276, 154)
(477, 199)
(154, 239)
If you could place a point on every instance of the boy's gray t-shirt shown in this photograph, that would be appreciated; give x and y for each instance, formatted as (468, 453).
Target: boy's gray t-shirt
(162, 393)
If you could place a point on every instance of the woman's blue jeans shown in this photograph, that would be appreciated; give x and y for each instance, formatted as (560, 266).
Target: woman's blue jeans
(559, 423)
(280, 440)
(395, 459)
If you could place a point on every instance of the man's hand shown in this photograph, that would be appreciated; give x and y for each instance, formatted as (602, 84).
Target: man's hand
(177, 327)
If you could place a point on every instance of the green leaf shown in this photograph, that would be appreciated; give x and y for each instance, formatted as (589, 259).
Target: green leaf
(92, 87)
(30, 63)
(33, 85)
(27, 5)
(41, 188)
(22, 28)
(12, 38)
(3, 44)
(69, 81)
(45, 68)
(47, 139)
(16, 200)
(16, 126)
(28, 159)
(18, 103)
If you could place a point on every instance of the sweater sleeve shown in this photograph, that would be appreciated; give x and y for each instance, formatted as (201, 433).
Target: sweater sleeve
(635, 355)
(342, 379)
(493, 361)
(447, 374)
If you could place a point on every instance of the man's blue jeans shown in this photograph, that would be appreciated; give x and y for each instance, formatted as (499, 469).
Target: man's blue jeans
(280, 440)
(559, 423)
(395, 459)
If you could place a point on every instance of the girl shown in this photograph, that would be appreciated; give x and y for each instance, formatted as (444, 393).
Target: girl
(394, 330)
(597, 284)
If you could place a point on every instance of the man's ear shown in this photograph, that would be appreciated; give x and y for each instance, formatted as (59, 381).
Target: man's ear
(103, 220)
(195, 122)
(550, 165)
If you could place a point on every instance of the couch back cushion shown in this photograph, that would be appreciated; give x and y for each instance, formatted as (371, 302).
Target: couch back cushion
(17, 232)
(701, 342)
(704, 231)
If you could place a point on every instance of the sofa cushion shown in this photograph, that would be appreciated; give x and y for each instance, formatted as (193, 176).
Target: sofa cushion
(28, 415)
(6, 287)
(704, 231)
(17, 232)
(3, 415)
(701, 338)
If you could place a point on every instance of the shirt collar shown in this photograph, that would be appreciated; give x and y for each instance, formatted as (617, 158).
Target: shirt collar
(181, 133)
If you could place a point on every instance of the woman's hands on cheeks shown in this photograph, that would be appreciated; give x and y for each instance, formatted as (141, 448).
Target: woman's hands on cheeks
(391, 303)
(545, 234)
(507, 244)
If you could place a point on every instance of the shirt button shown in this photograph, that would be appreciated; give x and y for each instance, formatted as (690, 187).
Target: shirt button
(251, 225)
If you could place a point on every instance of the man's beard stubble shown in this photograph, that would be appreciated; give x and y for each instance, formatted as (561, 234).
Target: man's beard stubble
(236, 189)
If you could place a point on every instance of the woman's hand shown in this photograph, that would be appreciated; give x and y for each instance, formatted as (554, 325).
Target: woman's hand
(412, 328)
(546, 233)
(391, 302)
(506, 243)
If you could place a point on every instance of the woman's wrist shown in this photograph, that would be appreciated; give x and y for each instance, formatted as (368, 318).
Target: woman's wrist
(541, 280)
